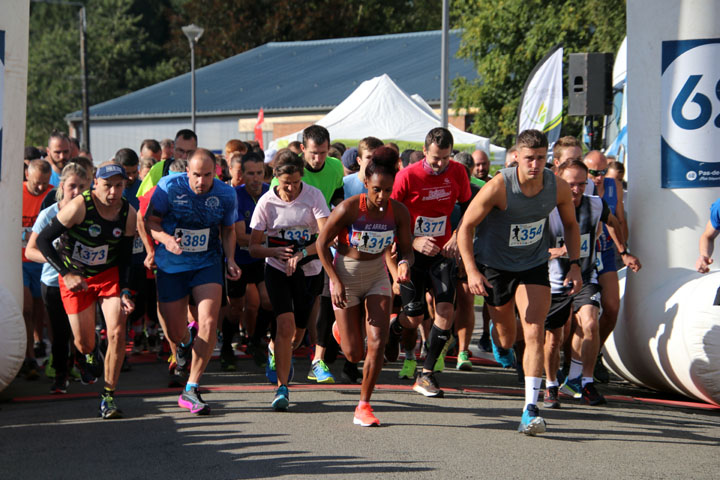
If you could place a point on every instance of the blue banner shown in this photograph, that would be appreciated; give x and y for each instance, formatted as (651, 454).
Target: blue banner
(690, 114)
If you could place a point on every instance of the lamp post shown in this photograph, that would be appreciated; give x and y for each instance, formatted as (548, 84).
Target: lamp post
(193, 34)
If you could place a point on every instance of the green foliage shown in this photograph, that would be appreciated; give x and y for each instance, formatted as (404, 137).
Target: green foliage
(506, 38)
(120, 59)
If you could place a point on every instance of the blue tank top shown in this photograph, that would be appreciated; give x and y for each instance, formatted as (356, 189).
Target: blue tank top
(246, 207)
(610, 196)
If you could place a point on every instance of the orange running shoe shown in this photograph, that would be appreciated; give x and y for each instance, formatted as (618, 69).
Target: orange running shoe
(336, 332)
(364, 417)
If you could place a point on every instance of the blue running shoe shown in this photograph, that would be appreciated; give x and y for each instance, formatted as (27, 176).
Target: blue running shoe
(282, 399)
(271, 372)
(320, 373)
(572, 387)
(505, 357)
(531, 422)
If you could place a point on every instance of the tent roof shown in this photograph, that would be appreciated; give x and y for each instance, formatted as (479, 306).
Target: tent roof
(379, 108)
(295, 76)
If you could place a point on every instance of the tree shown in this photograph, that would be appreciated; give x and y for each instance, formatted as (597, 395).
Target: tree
(506, 38)
(120, 60)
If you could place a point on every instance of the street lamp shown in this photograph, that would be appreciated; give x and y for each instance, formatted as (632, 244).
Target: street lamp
(193, 34)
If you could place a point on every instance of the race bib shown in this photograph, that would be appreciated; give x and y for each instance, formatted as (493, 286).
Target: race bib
(372, 242)
(193, 240)
(90, 256)
(295, 233)
(584, 245)
(26, 231)
(430, 226)
(523, 234)
(598, 262)
(137, 245)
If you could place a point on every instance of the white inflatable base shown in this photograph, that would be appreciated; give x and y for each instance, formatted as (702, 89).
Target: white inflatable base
(12, 338)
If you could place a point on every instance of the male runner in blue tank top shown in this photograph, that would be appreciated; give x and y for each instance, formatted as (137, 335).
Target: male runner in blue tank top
(511, 211)
(192, 217)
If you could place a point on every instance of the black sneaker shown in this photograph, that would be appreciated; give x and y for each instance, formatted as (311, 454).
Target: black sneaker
(227, 361)
(184, 352)
(86, 375)
(108, 407)
(484, 343)
(591, 396)
(350, 373)
(551, 398)
(30, 369)
(192, 400)
(601, 373)
(258, 352)
(60, 385)
(392, 347)
(426, 384)
(95, 363)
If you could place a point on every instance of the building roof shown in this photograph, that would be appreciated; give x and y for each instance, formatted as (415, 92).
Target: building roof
(295, 76)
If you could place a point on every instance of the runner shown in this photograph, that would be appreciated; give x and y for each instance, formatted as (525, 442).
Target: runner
(35, 189)
(365, 226)
(511, 211)
(589, 211)
(611, 191)
(707, 244)
(430, 188)
(290, 214)
(58, 154)
(184, 145)
(96, 231)
(73, 181)
(192, 217)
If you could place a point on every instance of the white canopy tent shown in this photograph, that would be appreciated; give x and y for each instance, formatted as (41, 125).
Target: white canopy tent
(379, 108)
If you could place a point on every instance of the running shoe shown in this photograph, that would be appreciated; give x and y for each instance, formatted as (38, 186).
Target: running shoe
(505, 357)
(60, 385)
(108, 407)
(408, 369)
(227, 361)
(282, 399)
(30, 369)
(350, 373)
(184, 352)
(439, 364)
(590, 395)
(271, 372)
(192, 400)
(86, 375)
(463, 361)
(551, 398)
(49, 369)
(320, 373)
(140, 343)
(484, 343)
(572, 387)
(531, 422)
(336, 332)
(392, 347)
(427, 384)
(177, 377)
(75, 374)
(154, 343)
(258, 354)
(364, 417)
(601, 373)
(94, 364)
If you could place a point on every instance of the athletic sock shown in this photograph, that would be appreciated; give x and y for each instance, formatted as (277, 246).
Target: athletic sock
(586, 380)
(552, 383)
(362, 403)
(189, 386)
(575, 369)
(438, 339)
(532, 389)
(107, 392)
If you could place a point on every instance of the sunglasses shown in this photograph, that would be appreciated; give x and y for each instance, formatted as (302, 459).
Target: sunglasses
(597, 173)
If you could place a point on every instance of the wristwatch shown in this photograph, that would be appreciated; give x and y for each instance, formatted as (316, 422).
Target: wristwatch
(576, 262)
(304, 252)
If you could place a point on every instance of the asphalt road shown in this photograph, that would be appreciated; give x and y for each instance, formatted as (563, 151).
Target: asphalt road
(471, 433)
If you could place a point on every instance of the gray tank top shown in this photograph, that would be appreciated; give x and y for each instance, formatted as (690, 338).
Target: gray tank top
(516, 239)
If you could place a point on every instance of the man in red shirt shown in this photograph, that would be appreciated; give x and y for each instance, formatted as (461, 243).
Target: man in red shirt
(430, 188)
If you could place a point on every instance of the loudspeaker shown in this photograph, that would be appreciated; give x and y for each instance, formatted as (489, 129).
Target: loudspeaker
(590, 84)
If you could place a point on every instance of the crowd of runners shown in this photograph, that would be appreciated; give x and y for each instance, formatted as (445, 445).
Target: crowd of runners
(368, 249)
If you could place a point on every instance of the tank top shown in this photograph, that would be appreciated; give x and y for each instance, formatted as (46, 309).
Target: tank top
(610, 196)
(516, 239)
(91, 247)
(368, 234)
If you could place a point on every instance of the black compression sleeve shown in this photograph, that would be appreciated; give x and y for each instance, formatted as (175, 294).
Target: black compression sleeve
(45, 245)
(605, 211)
(125, 260)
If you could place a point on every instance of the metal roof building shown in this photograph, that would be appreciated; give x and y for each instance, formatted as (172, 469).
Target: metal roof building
(294, 82)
